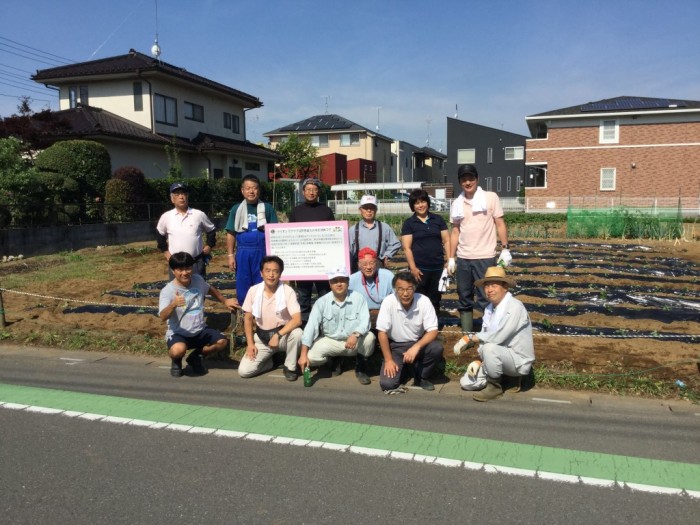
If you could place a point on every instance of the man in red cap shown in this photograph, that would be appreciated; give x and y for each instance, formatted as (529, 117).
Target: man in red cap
(371, 281)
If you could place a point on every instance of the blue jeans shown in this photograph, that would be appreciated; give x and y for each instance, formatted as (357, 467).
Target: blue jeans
(468, 272)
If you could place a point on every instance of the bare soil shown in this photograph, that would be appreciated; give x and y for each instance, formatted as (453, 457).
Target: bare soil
(569, 268)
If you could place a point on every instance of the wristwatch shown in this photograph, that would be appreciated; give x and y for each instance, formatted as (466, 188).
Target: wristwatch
(504, 246)
(357, 334)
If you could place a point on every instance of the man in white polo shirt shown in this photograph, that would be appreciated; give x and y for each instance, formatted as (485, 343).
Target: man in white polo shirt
(407, 331)
(181, 229)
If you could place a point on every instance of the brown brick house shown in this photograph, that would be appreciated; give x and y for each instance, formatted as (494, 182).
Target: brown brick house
(614, 150)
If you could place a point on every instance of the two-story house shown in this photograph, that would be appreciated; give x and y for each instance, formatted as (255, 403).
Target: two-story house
(364, 150)
(623, 147)
(136, 105)
(414, 164)
(499, 156)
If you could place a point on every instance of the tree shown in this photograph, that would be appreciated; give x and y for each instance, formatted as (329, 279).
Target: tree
(84, 161)
(36, 131)
(299, 157)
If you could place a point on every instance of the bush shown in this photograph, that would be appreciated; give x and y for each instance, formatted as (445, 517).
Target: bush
(128, 185)
(118, 205)
(85, 161)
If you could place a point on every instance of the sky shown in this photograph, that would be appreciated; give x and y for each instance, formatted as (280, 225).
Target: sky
(402, 65)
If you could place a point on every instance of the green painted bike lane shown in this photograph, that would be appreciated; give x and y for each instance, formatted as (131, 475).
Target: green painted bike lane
(609, 467)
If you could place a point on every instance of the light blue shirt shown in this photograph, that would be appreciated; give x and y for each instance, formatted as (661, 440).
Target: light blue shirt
(374, 294)
(337, 321)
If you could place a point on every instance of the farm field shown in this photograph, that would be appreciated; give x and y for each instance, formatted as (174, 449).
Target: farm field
(600, 308)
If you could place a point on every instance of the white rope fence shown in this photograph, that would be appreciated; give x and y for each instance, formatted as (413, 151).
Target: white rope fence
(453, 332)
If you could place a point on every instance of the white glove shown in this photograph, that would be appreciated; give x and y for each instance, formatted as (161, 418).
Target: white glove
(451, 266)
(463, 343)
(506, 258)
(473, 368)
(459, 345)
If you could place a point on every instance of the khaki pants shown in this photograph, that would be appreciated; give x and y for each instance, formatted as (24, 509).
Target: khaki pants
(289, 343)
(325, 347)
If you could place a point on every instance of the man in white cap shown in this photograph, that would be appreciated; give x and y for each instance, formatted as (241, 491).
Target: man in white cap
(181, 229)
(338, 327)
(505, 341)
(371, 233)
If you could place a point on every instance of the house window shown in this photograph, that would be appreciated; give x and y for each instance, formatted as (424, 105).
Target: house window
(489, 184)
(515, 153)
(236, 124)
(350, 139)
(78, 95)
(508, 184)
(498, 184)
(138, 96)
(194, 112)
(536, 177)
(319, 141)
(607, 179)
(489, 155)
(518, 183)
(252, 166)
(466, 156)
(609, 132)
(227, 120)
(165, 109)
(218, 173)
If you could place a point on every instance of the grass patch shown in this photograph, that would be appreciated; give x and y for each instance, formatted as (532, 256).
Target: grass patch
(638, 383)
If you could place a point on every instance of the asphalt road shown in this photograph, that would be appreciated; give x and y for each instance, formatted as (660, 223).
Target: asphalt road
(57, 469)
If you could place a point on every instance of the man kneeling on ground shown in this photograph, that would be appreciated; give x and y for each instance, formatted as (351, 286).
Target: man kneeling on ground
(181, 304)
(408, 330)
(338, 327)
(272, 308)
(505, 341)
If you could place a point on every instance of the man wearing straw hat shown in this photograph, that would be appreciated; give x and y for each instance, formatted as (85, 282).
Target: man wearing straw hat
(505, 341)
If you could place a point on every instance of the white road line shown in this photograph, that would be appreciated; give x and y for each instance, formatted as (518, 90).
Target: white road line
(546, 400)
(365, 451)
(71, 359)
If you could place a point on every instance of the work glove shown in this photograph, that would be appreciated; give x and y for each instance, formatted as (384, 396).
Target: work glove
(504, 259)
(473, 368)
(451, 266)
(462, 344)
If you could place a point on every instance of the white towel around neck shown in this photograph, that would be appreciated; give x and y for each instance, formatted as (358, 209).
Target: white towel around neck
(479, 201)
(280, 301)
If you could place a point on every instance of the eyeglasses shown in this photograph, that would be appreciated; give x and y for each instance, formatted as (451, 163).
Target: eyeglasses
(410, 289)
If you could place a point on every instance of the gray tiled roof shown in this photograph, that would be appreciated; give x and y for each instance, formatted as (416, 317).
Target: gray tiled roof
(90, 122)
(86, 121)
(137, 64)
(622, 104)
(328, 123)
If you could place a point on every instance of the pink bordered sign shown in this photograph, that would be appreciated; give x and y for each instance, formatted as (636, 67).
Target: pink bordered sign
(309, 249)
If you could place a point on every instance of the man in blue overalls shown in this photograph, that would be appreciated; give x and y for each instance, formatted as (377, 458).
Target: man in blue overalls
(245, 235)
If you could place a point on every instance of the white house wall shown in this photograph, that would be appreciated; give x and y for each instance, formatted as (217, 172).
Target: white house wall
(214, 108)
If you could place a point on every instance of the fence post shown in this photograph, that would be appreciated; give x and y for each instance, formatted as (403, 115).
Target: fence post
(2, 312)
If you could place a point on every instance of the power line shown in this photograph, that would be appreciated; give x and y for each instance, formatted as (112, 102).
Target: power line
(23, 88)
(15, 75)
(28, 73)
(63, 59)
(27, 57)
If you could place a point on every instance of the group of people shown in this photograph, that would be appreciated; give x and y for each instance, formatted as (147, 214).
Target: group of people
(354, 310)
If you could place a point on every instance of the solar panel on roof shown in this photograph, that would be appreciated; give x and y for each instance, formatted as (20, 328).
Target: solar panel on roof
(630, 103)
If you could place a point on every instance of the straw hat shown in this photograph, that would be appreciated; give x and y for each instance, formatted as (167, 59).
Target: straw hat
(498, 275)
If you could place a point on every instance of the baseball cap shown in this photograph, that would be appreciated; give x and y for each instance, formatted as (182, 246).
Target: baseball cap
(368, 200)
(178, 186)
(339, 271)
